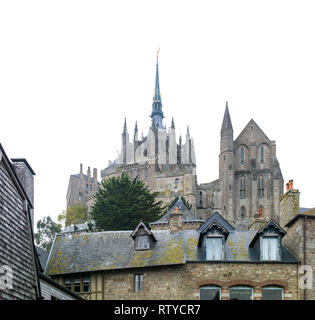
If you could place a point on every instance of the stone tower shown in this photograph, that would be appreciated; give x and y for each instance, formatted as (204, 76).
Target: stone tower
(226, 166)
(250, 182)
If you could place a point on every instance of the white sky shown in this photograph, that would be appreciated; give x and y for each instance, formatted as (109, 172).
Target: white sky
(70, 71)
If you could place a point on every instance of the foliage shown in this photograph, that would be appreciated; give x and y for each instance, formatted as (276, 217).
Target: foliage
(74, 215)
(122, 202)
(46, 230)
(185, 202)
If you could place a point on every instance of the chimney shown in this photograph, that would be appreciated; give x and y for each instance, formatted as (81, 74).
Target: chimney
(258, 222)
(290, 184)
(175, 221)
(26, 175)
(289, 204)
(81, 171)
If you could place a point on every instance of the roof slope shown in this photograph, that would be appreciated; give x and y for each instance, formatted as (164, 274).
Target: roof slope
(188, 215)
(115, 250)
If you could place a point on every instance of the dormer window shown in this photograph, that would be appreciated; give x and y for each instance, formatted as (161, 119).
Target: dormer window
(143, 237)
(214, 248)
(270, 247)
(142, 242)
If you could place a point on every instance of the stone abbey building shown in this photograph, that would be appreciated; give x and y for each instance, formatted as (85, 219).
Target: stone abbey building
(242, 239)
(250, 181)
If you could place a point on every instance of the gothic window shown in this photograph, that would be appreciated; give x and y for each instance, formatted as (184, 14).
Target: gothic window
(230, 187)
(87, 188)
(214, 248)
(80, 195)
(270, 248)
(261, 187)
(138, 282)
(210, 293)
(261, 154)
(272, 293)
(243, 212)
(242, 188)
(242, 156)
(145, 152)
(200, 198)
(241, 293)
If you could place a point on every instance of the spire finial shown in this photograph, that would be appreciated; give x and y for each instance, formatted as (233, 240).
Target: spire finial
(173, 125)
(157, 114)
(125, 126)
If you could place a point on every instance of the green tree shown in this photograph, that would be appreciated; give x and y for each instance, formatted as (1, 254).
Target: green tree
(74, 215)
(46, 230)
(121, 202)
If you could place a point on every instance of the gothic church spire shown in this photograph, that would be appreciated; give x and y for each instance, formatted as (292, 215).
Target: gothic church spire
(157, 113)
(226, 129)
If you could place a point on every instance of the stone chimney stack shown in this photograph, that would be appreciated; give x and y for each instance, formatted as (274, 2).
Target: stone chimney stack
(26, 175)
(175, 221)
(81, 171)
(289, 204)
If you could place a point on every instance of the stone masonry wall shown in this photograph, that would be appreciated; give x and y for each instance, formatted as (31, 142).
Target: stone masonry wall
(183, 281)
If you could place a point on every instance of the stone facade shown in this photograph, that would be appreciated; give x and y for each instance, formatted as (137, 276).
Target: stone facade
(300, 238)
(250, 178)
(179, 282)
(82, 187)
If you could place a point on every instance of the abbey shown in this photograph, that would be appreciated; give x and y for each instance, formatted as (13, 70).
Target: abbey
(250, 181)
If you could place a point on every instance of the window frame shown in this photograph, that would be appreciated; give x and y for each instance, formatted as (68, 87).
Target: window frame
(211, 287)
(138, 282)
(272, 287)
(242, 151)
(207, 247)
(241, 287)
(263, 250)
(141, 245)
(262, 154)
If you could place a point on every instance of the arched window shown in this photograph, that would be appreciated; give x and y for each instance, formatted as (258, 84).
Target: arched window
(241, 293)
(146, 172)
(242, 188)
(261, 187)
(243, 212)
(210, 293)
(261, 154)
(242, 156)
(272, 293)
(200, 198)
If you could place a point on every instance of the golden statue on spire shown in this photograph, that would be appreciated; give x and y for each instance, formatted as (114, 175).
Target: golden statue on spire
(157, 54)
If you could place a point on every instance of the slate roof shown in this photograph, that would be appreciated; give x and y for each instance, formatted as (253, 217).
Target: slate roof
(109, 250)
(42, 256)
(216, 216)
(115, 250)
(188, 215)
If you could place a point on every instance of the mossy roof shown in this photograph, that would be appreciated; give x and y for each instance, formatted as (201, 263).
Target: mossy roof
(85, 252)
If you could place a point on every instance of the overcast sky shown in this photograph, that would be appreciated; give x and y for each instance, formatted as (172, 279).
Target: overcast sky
(70, 71)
